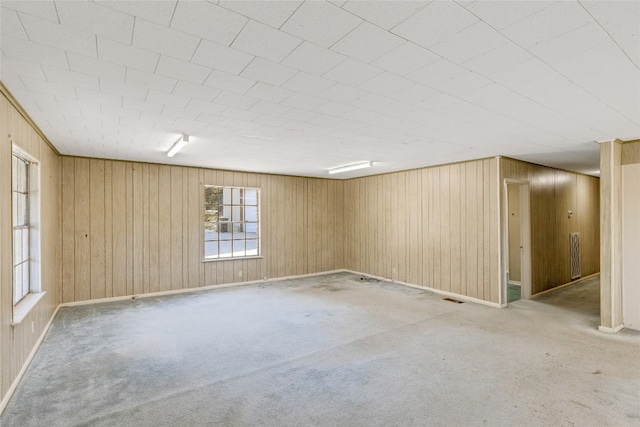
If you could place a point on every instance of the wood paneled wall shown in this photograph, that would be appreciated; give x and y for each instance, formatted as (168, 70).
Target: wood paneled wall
(436, 227)
(553, 193)
(17, 342)
(132, 228)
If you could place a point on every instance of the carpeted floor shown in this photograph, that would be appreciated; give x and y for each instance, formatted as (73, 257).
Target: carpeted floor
(330, 351)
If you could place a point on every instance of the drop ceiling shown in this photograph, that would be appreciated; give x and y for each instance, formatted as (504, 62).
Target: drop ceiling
(300, 87)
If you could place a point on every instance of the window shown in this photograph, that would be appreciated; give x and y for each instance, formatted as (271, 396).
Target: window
(231, 222)
(25, 205)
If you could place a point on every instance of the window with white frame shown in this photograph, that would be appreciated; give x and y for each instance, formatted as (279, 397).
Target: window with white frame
(231, 222)
(25, 206)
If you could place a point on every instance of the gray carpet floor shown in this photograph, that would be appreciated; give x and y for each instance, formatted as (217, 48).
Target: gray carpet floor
(330, 351)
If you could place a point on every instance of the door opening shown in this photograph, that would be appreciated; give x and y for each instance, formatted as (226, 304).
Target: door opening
(517, 238)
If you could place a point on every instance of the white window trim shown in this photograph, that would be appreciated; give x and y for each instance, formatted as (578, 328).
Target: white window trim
(24, 306)
(259, 256)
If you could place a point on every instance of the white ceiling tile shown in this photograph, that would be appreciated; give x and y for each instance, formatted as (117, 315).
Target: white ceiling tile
(96, 67)
(19, 67)
(231, 99)
(308, 83)
(220, 57)
(473, 41)
(464, 83)
(385, 14)
(320, 23)
(160, 13)
(10, 24)
(50, 88)
(386, 84)
(333, 108)
(167, 99)
(520, 72)
(367, 42)
(498, 59)
(240, 114)
(42, 9)
(433, 74)
(301, 100)
(124, 90)
(270, 108)
(214, 119)
(434, 23)
(120, 112)
(160, 39)
(500, 16)
(55, 35)
(197, 91)
(585, 39)
(271, 121)
(272, 13)
(127, 55)
(93, 18)
(547, 24)
(299, 114)
(620, 22)
(84, 107)
(205, 107)
(371, 101)
(415, 94)
(70, 78)
(342, 93)
(142, 106)
(99, 98)
(405, 59)
(207, 20)
(266, 42)
(352, 72)
(182, 70)
(150, 81)
(33, 52)
(268, 92)
(230, 82)
(268, 72)
(313, 59)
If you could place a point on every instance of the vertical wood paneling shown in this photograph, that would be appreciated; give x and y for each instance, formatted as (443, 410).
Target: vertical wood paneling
(82, 228)
(68, 228)
(119, 228)
(97, 242)
(137, 229)
(164, 228)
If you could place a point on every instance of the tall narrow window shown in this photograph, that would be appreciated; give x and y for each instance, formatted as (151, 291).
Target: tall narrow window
(231, 222)
(23, 211)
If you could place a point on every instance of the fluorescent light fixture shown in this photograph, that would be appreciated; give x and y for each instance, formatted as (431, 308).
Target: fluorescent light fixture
(178, 145)
(351, 167)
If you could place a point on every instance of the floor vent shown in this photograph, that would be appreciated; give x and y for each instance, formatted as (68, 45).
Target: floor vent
(575, 255)
(453, 300)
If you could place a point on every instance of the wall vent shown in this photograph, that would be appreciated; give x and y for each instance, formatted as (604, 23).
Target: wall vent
(575, 255)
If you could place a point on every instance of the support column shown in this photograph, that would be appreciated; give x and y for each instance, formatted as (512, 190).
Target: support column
(610, 236)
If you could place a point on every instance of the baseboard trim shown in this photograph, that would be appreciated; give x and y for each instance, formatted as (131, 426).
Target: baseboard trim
(189, 290)
(575, 282)
(610, 330)
(16, 381)
(426, 288)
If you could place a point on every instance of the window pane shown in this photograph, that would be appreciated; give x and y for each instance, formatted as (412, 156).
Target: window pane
(225, 249)
(250, 197)
(252, 247)
(25, 279)
(14, 174)
(251, 229)
(226, 196)
(21, 209)
(211, 249)
(25, 244)
(251, 213)
(238, 248)
(236, 213)
(17, 283)
(212, 196)
(17, 246)
(238, 230)
(236, 196)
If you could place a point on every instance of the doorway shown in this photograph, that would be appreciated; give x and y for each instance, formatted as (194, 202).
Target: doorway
(516, 242)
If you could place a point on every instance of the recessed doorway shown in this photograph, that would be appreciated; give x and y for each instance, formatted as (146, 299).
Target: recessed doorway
(516, 242)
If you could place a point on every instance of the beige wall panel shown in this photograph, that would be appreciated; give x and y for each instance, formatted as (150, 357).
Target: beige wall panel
(154, 230)
(630, 153)
(82, 230)
(470, 222)
(16, 342)
(137, 228)
(455, 231)
(108, 229)
(97, 219)
(68, 228)
(119, 230)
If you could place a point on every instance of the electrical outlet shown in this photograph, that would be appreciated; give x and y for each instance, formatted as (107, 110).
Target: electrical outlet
(239, 273)
(33, 327)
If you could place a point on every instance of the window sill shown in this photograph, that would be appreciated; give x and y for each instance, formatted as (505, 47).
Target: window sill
(238, 258)
(23, 308)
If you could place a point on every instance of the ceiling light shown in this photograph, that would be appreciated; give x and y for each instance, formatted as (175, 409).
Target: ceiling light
(351, 167)
(178, 145)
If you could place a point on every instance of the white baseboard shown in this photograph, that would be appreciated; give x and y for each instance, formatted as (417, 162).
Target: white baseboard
(582, 279)
(610, 330)
(16, 381)
(426, 288)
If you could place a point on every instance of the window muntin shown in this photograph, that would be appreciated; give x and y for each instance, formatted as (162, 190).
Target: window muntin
(21, 228)
(231, 222)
